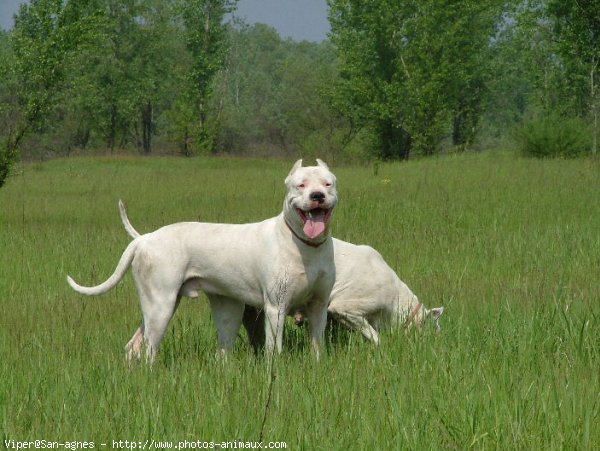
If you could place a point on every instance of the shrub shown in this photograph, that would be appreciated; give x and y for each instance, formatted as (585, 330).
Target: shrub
(554, 136)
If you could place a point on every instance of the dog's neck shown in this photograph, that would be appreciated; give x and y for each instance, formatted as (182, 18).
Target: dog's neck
(412, 318)
(304, 240)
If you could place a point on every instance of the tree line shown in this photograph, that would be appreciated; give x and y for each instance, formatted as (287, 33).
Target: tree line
(394, 79)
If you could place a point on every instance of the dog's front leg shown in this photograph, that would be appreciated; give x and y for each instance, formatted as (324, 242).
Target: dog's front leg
(274, 324)
(316, 313)
(356, 322)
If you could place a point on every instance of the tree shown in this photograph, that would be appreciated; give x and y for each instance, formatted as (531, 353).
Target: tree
(369, 85)
(272, 96)
(577, 29)
(157, 50)
(409, 69)
(473, 26)
(206, 41)
(45, 34)
(115, 72)
(118, 80)
(9, 116)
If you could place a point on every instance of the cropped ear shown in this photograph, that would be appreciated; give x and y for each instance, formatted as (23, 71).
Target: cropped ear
(322, 164)
(297, 165)
(437, 312)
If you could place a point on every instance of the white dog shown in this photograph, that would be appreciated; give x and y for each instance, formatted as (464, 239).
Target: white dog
(367, 296)
(276, 265)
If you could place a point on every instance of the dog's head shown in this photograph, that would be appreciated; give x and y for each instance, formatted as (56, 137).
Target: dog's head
(420, 314)
(311, 198)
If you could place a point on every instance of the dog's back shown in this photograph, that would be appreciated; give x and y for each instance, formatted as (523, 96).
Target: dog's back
(364, 283)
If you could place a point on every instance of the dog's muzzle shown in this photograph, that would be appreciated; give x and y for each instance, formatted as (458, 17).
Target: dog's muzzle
(315, 220)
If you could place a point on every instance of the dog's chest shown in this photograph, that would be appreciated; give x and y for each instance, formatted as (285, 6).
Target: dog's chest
(307, 282)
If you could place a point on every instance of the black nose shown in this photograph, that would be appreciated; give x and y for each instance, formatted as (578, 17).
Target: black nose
(317, 196)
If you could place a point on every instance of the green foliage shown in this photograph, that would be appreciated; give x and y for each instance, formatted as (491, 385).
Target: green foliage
(397, 79)
(577, 30)
(509, 245)
(118, 82)
(8, 105)
(410, 72)
(554, 136)
(206, 41)
(272, 96)
(103, 73)
(545, 63)
(46, 33)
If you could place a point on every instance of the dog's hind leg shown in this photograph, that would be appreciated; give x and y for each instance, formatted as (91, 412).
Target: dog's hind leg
(357, 322)
(134, 347)
(156, 320)
(227, 315)
(254, 323)
(158, 282)
(158, 307)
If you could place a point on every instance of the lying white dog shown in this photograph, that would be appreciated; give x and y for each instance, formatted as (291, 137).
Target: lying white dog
(367, 296)
(279, 264)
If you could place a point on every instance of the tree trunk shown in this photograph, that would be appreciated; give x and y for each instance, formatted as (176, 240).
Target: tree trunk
(594, 107)
(9, 153)
(147, 120)
(185, 145)
(462, 131)
(111, 138)
(395, 142)
(466, 117)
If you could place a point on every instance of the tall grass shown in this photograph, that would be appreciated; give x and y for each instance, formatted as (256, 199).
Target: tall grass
(510, 246)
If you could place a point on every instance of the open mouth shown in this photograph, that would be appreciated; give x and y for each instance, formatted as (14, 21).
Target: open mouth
(315, 221)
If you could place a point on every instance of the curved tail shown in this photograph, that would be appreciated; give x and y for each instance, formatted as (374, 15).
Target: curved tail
(125, 220)
(120, 271)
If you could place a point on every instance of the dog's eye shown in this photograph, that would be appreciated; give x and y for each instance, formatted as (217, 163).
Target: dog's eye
(301, 185)
(328, 184)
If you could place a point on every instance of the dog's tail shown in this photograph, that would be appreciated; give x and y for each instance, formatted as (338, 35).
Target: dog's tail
(125, 220)
(120, 271)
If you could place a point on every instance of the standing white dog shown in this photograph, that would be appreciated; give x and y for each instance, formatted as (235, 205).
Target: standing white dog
(278, 264)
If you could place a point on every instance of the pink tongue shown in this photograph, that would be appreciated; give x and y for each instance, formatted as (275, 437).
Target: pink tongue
(314, 226)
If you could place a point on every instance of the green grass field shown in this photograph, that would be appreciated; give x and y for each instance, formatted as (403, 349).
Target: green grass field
(510, 246)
